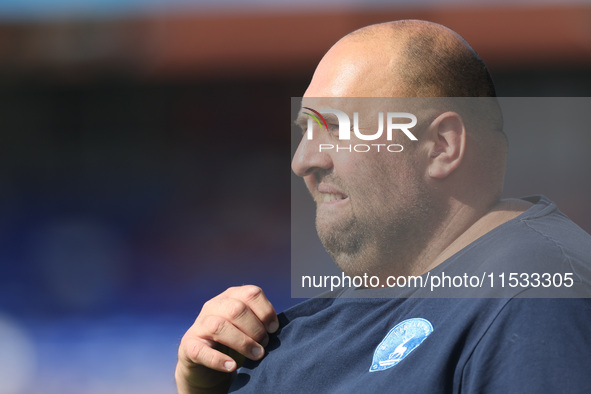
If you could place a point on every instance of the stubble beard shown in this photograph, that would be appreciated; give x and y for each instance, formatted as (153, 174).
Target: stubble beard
(342, 240)
(378, 244)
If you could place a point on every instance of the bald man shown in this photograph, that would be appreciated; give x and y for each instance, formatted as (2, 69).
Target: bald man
(436, 206)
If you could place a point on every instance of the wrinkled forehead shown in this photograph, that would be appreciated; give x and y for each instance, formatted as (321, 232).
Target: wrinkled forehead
(363, 106)
(324, 108)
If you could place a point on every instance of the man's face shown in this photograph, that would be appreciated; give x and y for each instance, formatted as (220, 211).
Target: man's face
(372, 207)
(368, 203)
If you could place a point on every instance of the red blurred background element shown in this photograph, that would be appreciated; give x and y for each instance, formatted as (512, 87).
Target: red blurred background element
(246, 44)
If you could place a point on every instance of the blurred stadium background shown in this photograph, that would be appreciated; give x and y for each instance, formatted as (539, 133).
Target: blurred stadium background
(145, 161)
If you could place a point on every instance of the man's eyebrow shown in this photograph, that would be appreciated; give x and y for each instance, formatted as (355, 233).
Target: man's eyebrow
(302, 119)
(330, 118)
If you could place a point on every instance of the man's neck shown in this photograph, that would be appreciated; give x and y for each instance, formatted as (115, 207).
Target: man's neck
(463, 225)
(500, 213)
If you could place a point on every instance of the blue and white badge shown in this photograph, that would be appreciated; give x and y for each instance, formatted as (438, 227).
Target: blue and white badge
(405, 337)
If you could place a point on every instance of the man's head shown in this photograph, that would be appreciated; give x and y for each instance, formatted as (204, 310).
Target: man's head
(407, 58)
(379, 212)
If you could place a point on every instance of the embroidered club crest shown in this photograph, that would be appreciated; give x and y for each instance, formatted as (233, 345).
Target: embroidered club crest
(405, 337)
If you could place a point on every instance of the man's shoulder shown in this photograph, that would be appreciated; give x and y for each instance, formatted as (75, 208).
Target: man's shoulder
(540, 251)
(550, 224)
(542, 232)
(546, 240)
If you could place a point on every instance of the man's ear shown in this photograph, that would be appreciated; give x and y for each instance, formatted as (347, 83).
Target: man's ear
(448, 143)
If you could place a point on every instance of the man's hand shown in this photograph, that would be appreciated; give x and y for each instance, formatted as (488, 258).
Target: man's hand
(231, 326)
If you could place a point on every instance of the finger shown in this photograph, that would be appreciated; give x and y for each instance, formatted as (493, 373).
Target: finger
(199, 353)
(238, 314)
(220, 330)
(255, 299)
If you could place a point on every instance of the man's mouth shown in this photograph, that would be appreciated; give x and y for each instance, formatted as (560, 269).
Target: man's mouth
(329, 197)
(330, 193)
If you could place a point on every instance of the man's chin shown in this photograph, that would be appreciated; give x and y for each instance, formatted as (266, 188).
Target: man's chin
(334, 223)
(341, 243)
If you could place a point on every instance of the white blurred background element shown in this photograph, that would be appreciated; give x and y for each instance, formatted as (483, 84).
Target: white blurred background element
(18, 358)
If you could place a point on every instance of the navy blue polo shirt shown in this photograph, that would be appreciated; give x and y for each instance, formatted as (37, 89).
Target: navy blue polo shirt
(515, 344)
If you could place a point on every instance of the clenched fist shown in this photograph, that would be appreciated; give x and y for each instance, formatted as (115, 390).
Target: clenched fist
(230, 327)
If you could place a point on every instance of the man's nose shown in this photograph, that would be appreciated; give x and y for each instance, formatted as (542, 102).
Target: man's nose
(309, 157)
